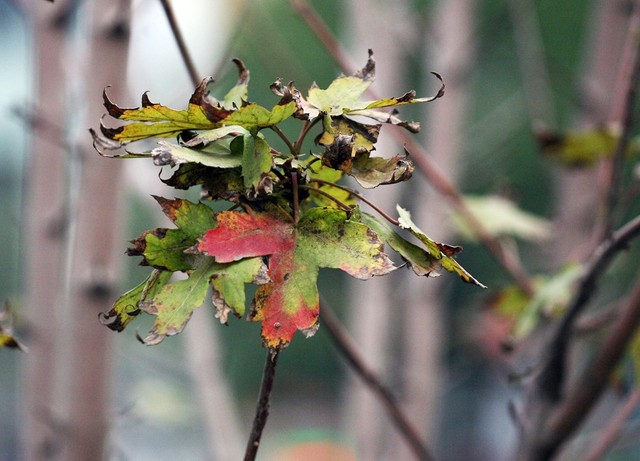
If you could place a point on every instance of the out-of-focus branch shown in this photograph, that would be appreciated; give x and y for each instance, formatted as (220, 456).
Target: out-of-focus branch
(348, 351)
(184, 52)
(548, 420)
(422, 159)
(611, 432)
(588, 388)
(624, 115)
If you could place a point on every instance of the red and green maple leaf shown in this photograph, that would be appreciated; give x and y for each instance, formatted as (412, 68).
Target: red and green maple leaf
(323, 237)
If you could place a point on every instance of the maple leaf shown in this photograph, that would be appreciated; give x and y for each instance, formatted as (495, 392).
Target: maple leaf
(203, 113)
(174, 303)
(342, 99)
(323, 237)
(127, 307)
(165, 248)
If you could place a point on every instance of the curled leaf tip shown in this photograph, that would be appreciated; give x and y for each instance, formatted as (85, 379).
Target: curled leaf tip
(243, 72)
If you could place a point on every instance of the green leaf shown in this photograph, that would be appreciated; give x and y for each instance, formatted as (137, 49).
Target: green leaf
(551, 297)
(228, 286)
(582, 148)
(254, 116)
(420, 260)
(501, 217)
(375, 171)
(442, 252)
(324, 237)
(155, 120)
(361, 137)
(127, 307)
(202, 113)
(175, 302)
(165, 248)
(218, 155)
(343, 98)
(256, 160)
(330, 175)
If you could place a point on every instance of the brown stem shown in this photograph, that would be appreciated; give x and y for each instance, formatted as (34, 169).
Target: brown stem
(359, 196)
(421, 158)
(345, 347)
(184, 52)
(282, 136)
(303, 133)
(296, 198)
(262, 408)
(315, 190)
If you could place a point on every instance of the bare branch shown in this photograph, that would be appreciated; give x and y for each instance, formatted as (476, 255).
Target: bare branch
(184, 52)
(348, 351)
(549, 419)
(611, 432)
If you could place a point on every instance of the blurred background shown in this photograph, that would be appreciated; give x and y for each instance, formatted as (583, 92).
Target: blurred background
(510, 66)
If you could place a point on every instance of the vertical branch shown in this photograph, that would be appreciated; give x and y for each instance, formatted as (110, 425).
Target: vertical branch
(623, 113)
(296, 199)
(262, 408)
(184, 52)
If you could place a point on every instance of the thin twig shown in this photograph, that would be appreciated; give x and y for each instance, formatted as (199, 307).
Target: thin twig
(359, 196)
(262, 408)
(286, 140)
(631, 77)
(422, 159)
(610, 434)
(303, 133)
(344, 345)
(315, 190)
(184, 52)
(296, 196)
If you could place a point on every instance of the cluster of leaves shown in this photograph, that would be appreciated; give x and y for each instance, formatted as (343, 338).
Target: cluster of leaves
(288, 215)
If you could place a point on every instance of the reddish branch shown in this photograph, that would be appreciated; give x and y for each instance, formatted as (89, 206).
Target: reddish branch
(422, 159)
(359, 196)
(343, 343)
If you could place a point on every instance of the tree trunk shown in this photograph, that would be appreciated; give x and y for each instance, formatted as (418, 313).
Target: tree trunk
(46, 222)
